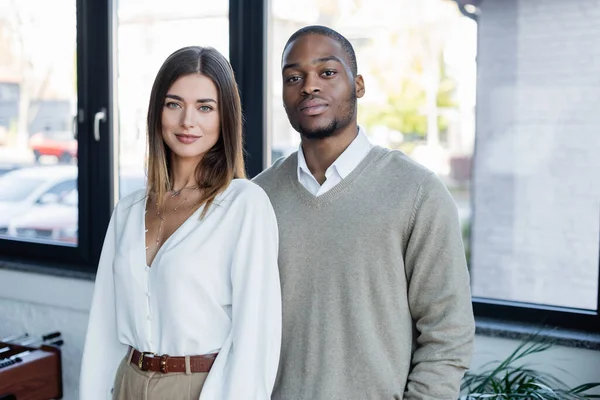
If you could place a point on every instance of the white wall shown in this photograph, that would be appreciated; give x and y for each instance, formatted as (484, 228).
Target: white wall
(38, 304)
(535, 209)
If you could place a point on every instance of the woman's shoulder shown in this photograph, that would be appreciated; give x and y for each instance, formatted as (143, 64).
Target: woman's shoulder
(132, 199)
(243, 194)
(245, 189)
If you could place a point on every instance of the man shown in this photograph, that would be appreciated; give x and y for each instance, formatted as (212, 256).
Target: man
(376, 297)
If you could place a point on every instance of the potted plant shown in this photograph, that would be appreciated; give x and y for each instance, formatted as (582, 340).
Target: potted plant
(515, 378)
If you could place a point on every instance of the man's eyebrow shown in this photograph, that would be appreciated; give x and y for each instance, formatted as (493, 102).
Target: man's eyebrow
(325, 59)
(175, 97)
(315, 61)
(288, 66)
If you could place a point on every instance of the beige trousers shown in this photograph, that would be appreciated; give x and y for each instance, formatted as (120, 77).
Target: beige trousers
(131, 383)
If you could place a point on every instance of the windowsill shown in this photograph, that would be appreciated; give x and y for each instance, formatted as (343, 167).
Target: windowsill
(484, 326)
(520, 331)
(46, 269)
(46, 285)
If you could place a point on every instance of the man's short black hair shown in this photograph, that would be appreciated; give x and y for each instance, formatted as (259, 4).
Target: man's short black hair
(325, 31)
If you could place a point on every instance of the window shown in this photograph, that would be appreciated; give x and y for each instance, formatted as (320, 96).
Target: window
(536, 228)
(502, 110)
(74, 100)
(38, 95)
(49, 154)
(88, 80)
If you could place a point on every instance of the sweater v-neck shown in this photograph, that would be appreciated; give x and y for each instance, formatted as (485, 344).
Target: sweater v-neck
(310, 199)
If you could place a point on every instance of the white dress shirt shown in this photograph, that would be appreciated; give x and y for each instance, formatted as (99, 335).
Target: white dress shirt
(213, 287)
(339, 170)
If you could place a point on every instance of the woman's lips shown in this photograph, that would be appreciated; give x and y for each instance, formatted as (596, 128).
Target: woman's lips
(187, 139)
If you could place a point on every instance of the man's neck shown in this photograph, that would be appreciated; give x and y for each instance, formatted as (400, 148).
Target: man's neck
(321, 153)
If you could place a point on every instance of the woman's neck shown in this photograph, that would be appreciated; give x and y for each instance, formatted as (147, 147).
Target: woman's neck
(183, 172)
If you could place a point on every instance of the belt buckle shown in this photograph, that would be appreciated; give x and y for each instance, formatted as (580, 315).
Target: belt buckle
(141, 360)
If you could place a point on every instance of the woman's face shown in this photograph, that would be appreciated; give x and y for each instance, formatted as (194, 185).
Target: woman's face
(190, 116)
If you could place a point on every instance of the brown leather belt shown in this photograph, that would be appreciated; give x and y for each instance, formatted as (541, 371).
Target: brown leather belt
(165, 363)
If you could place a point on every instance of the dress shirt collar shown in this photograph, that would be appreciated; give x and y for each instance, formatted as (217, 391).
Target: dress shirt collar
(346, 162)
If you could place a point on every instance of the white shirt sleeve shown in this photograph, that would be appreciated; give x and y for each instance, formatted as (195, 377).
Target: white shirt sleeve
(102, 351)
(251, 352)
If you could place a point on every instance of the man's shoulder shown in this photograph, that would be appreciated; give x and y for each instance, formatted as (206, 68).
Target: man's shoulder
(394, 164)
(270, 176)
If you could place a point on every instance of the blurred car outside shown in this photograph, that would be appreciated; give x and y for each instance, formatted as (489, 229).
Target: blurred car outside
(22, 189)
(60, 144)
(56, 221)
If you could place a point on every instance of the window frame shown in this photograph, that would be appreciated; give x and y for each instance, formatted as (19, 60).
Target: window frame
(540, 315)
(522, 312)
(248, 23)
(95, 159)
(97, 180)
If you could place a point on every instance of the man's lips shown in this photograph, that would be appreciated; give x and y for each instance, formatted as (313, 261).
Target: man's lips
(186, 139)
(312, 107)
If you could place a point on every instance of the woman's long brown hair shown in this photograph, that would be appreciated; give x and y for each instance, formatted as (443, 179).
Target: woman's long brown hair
(224, 161)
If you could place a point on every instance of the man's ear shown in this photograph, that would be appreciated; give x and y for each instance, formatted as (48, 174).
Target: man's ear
(360, 86)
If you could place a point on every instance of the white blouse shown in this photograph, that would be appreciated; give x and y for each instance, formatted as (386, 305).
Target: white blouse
(212, 287)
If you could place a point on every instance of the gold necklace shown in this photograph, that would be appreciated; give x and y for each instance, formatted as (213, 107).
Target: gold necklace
(177, 192)
(163, 216)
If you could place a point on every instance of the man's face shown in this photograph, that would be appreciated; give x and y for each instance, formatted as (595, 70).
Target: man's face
(319, 90)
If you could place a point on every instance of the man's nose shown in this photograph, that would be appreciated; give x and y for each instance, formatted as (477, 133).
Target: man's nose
(311, 85)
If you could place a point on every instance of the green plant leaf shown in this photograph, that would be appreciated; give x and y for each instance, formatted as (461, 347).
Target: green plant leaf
(585, 387)
(515, 378)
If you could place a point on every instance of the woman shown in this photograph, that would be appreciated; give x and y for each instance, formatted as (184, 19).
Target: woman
(192, 307)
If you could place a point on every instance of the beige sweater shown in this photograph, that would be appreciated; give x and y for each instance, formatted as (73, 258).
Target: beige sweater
(376, 297)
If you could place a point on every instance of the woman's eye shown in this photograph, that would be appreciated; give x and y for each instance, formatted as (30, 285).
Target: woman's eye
(205, 108)
(171, 104)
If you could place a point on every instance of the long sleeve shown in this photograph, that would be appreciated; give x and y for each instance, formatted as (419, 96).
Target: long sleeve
(439, 295)
(102, 351)
(253, 345)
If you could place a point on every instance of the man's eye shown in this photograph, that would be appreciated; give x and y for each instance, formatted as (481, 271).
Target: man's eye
(292, 79)
(329, 73)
